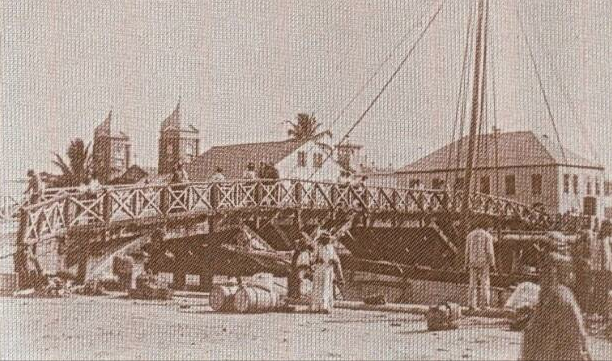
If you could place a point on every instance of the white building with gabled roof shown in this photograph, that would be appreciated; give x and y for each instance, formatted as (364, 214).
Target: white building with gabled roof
(527, 168)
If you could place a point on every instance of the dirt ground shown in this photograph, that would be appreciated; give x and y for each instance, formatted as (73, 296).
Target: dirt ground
(186, 328)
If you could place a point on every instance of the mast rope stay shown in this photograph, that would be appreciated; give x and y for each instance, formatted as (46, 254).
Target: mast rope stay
(541, 85)
(363, 87)
(461, 100)
(386, 85)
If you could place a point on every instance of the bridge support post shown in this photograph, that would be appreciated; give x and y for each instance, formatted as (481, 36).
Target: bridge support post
(206, 280)
(178, 279)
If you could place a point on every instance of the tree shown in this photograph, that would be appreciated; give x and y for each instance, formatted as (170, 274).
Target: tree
(77, 170)
(304, 126)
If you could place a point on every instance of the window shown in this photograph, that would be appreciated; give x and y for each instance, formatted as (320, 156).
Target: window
(597, 188)
(301, 159)
(566, 183)
(590, 206)
(188, 148)
(414, 183)
(485, 184)
(169, 149)
(607, 188)
(118, 150)
(437, 183)
(317, 160)
(536, 184)
(589, 189)
(510, 185)
(575, 184)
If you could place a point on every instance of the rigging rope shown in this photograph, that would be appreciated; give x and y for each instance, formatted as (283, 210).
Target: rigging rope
(571, 106)
(540, 83)
(461, 96)
(496, 129)
(386, 85)
(483, 101)
(364, 85)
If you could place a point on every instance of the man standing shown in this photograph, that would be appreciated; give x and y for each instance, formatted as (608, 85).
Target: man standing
(480, 259)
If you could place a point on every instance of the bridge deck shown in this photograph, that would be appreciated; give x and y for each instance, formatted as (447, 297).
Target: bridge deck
(124, 205)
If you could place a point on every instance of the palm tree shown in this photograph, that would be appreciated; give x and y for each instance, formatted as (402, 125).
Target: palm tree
(304, 127)
(77, 170)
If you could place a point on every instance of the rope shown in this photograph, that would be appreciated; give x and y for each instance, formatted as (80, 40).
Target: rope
(364, 85)
(386, 85)
(461, 96)
(571, 106)
(495, 120)
(540, 83)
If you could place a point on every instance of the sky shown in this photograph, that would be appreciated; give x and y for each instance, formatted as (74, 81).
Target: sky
(242, 67)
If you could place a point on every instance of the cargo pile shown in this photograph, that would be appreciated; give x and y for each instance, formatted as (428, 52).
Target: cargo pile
(53, 287)
(258, 294)
(90, 288)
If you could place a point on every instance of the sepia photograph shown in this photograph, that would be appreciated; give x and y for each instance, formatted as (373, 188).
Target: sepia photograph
(305, 180)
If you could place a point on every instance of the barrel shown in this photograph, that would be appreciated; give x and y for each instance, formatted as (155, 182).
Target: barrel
(221, 297)
(252, 299)
(8, 283)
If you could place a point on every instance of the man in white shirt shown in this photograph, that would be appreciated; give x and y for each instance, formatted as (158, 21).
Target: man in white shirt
(218, 175)
(480, 259)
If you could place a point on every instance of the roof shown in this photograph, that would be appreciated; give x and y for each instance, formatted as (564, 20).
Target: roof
(104, 129)
(234, 158)
(515, 149)
(174, 122)
(131, 175)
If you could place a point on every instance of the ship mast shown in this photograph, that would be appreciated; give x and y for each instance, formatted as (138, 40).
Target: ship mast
(479, 60)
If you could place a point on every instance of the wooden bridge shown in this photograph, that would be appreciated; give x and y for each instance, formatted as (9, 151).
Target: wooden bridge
(61, 212)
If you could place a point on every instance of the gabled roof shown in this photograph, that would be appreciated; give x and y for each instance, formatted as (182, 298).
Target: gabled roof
(235, 158)
(515, 149)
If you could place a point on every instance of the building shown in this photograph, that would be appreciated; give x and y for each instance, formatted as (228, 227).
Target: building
(111, 151)
(176, 143)
(525, 168)
(349, 155)
(299, 159)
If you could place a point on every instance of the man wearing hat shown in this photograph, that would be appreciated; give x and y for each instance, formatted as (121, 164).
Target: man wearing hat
(326, 264)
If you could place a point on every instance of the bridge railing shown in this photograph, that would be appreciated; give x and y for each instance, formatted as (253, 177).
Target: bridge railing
(102, 207)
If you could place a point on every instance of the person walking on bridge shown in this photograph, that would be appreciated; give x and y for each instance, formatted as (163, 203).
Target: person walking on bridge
(479, 260)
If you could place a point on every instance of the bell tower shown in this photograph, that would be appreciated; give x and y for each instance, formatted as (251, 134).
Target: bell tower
(111, 151)
(176, 143)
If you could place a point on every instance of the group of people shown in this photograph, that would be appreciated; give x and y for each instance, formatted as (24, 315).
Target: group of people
(573, 285)
(316, 273)
(266, 170)
(592, 265)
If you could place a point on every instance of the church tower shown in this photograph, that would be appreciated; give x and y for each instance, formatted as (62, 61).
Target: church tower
(111, 151)
(176, 143)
